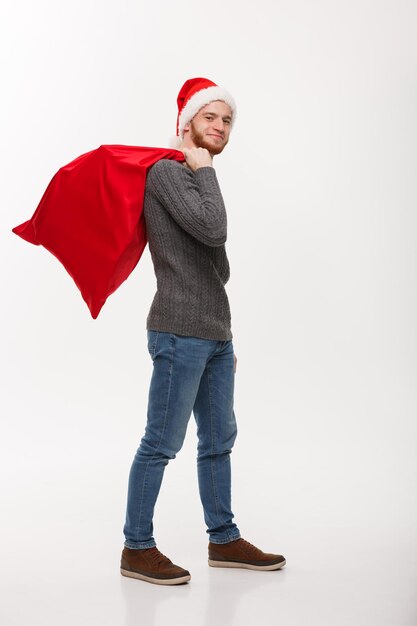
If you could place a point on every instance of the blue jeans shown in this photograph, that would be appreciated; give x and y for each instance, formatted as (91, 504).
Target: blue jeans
(189, 375)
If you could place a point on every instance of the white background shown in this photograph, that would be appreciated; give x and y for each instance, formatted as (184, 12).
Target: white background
(319, 180)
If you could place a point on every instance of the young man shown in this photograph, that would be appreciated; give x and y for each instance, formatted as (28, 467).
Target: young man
(190, 343)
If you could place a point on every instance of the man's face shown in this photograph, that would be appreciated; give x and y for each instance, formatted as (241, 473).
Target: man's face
(210, 127)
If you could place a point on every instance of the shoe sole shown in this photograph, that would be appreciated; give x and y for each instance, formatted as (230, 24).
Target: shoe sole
(156, 581)
(246, 565)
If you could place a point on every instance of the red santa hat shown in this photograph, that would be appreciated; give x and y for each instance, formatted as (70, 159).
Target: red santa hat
(195, 94)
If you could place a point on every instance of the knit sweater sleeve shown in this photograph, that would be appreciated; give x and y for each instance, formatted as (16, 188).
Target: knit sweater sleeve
(193, 199)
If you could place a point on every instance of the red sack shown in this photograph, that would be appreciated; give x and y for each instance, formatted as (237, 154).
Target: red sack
(90, 217)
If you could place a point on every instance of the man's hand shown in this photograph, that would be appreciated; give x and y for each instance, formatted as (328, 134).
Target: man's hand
(235, 363)
(197, 157)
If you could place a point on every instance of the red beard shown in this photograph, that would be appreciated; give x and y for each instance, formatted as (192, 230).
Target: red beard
(201, 142)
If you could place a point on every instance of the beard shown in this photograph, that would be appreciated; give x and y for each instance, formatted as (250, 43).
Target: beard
(201, 142)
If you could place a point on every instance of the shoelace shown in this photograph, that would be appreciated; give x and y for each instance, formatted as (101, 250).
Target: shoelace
(250, 547)
(157, 557)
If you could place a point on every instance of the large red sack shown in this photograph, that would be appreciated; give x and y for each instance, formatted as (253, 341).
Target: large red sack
(90, 217)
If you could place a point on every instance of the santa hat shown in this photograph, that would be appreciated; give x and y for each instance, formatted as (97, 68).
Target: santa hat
(195, 94)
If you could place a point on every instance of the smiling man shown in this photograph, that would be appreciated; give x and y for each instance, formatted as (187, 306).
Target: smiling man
(210, 129)
(190, 343)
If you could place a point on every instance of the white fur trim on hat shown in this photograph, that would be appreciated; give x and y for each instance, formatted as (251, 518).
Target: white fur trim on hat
(199, 100)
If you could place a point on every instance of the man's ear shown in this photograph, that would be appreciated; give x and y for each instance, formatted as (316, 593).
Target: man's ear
(186, 127)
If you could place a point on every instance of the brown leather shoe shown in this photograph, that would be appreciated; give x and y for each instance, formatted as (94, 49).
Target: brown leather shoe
(241, 553)
(152, 566)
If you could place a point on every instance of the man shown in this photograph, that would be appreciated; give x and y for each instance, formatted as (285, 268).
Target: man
(190, 343)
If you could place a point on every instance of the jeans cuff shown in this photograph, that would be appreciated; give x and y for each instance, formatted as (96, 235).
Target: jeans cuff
(144, 545)
(228, 540)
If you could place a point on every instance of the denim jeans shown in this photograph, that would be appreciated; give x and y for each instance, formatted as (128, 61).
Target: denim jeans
(189, 375)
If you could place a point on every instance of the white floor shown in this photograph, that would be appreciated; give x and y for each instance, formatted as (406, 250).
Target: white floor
(61, 552)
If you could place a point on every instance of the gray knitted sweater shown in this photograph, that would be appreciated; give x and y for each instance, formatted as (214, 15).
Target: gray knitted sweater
(186, 226)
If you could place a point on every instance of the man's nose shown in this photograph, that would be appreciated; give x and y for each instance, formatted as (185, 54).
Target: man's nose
(219, 125)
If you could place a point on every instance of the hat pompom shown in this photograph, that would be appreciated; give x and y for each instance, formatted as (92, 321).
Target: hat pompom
(175, 142)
